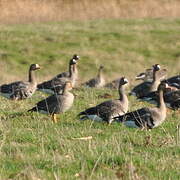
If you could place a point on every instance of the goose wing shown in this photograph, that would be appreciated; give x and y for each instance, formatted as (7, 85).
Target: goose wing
(150, 97)
(174, 81)
(113, 85)
(171, 96)
(141, 89)
(104, 110)
(48, 105)
(139, 118)
(63, 74)
(53, 85)
(9, 88)
(91, 82)
(23, 91)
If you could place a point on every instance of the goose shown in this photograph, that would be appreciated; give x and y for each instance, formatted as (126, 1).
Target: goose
(147, 87)
(147, 76)
(106, 110)
(67, 74)
(55, 84)
(113, 84)
(56, 103)
(98, 81)
(171, 98)
(146, 117)
(21, 89)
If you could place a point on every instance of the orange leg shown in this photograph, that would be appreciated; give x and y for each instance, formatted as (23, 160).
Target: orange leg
(54, 118)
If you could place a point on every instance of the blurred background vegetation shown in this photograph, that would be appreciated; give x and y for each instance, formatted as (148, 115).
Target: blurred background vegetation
(24, 11)
(126, 36)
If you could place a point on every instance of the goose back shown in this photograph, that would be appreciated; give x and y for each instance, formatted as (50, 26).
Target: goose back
(147, 117)
(105, 111)
(21, 89)
(55, 104)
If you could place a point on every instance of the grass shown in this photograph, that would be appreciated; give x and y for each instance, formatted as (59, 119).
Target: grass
(33, 148)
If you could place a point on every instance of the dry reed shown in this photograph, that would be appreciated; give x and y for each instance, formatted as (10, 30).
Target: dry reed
(25, 11)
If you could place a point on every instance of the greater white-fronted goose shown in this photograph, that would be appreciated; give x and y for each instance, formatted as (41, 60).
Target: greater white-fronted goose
(147, 76)
(21, 89)
(67, 74)
(171, 98)
(145, 88)
(56, 103)
(107, 110)
(146, 117)
(98, 81)
(113, 84)
(55, 84)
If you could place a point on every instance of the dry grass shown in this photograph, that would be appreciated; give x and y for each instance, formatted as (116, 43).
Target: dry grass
(23, 11)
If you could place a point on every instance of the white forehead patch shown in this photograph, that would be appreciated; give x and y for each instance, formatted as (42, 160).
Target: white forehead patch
(37, 66)
(125, 80)
(74, 61)
(158, 66)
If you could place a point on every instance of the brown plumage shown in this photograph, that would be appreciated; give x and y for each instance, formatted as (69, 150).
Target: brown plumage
(55, 84)
(147, 117)
(21, 89)
(147, 76)
(106, 110)
(98, 81)
(145, 88)
(56, 103)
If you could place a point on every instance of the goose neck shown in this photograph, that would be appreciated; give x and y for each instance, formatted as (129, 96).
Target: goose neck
(32, 78)
(161, 103)
(100, 74)
(70, 70)
(122, 94)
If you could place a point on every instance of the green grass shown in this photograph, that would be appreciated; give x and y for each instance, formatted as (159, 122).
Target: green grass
(32, 147)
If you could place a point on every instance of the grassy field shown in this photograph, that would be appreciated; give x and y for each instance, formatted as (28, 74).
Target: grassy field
(31, 147)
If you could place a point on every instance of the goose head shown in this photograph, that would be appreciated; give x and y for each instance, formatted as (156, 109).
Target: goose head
(76, 57)
(73, 61)
(101, 67)
(156, 67)
(123, 81)
(34, 67)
